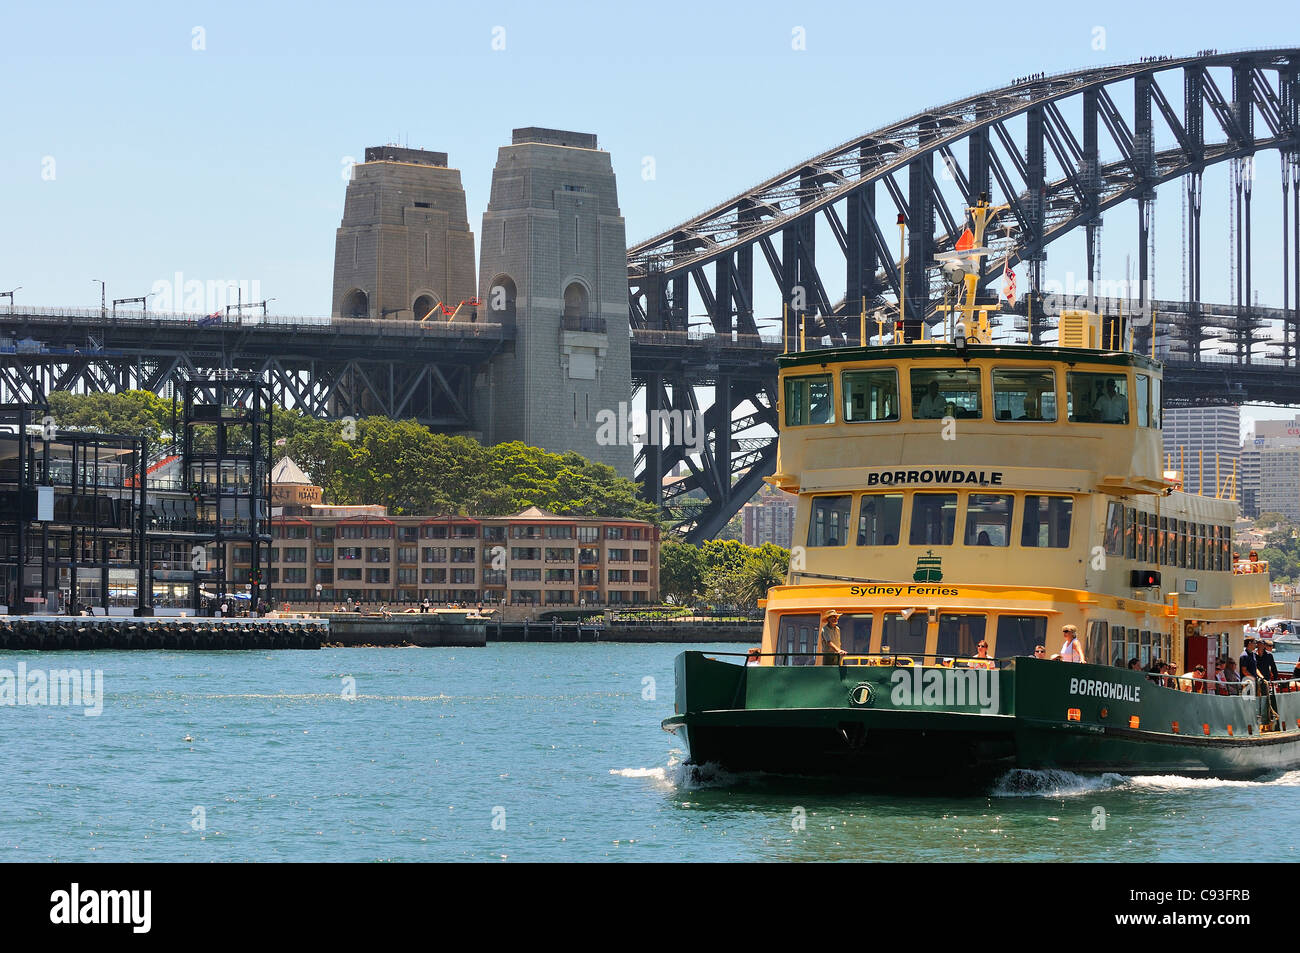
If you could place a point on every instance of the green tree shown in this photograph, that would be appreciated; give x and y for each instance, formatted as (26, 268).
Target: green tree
(681, 571)
(767, 566)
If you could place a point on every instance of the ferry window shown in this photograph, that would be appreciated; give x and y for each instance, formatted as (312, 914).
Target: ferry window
(988, 519)
(1024, 395)
(808, 400)
(1155, 402)
(1163, 555)
(946, 392)
(1200, 546)
(1097, 398)
(1140, 532)
(829, 523)
(1132, 647)
(1144, 648)
(793, 637)
(1114, 529)
(959, 634)
(1018, 634)
(1182, 545)
(901, 636)
(934, 517)
(880, 519)
(1141, 398)
(1047, 521)
(870, 395)
(1130, 527)
(1095, 647)
(855, 634)
(1117, 656)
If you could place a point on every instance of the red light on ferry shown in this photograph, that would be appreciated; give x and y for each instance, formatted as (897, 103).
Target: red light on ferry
(1175, 727)
(1134, 721)
(1072, 714)
(1205, 728)
(1230, 731)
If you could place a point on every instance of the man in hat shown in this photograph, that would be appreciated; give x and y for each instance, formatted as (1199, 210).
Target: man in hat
(1264, 660)
(828, 640)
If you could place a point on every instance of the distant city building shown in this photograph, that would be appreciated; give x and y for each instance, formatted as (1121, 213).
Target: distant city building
(1269, 435)
(1248, 481)
(1279, 481)
(531, 558)
(769, 519)
(1199, 440)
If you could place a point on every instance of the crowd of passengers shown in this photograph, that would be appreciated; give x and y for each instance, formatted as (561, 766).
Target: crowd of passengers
(1256, 665)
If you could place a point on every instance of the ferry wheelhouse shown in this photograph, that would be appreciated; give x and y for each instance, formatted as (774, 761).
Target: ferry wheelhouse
(952, 493)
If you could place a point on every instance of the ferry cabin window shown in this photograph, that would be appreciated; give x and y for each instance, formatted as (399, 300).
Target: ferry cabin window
(1130, 533)
(1155, 402)
(1117, 656)
(1163, 555)
(1097, 398)
(1131, 649)
(988, 520)
(1140, 534)
(934, 516)
(880, 518)
(828, 524)
(808, 400)
(1114, 529)
(797, 637)
(1144, 648)
(870, 395)
(946, 392)
(901, 636)
(1024, 395)
(1095, 646)
(1142, 395)
(855, 634)
(959, 634)
(1018, 634)
(1047, 522)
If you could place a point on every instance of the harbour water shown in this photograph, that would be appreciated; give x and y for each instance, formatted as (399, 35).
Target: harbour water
(515, 752)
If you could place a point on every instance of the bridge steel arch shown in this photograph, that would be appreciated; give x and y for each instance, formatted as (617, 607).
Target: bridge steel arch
(1014, 144)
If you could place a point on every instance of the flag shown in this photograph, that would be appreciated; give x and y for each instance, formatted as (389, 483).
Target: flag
(966, 241)
(1009, 282)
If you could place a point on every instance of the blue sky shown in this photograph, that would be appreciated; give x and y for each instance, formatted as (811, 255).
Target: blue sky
(225, 162)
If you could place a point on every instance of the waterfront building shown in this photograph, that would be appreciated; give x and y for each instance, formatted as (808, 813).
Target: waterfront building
(1279, 481)
(531, 558)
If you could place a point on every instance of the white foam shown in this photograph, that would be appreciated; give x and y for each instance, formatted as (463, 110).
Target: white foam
(1052, 782)
(656, 773)
(1173, 782)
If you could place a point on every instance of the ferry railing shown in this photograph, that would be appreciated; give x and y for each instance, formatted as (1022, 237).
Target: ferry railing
(881, 659)
(1244, 567)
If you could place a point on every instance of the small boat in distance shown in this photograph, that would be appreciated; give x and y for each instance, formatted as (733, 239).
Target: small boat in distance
(967, 513)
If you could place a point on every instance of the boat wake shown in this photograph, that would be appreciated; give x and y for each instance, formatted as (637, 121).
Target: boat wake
(689, 777)
(1052, 782)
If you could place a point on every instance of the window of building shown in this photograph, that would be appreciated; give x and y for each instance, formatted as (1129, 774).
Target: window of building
(378, 554)
(1097, 398)
(1047, 521)
(946, 392)
(880, 519)
(808, 400)
(377, 575)
(934, 518)
(379, 531)
(351, 575)
(828, 523)
(1024, 395)
(988, 519)
(324, 554)
(870, 395)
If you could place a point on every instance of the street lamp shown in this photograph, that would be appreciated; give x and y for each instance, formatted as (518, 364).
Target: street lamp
(318, 592)
(10, 296)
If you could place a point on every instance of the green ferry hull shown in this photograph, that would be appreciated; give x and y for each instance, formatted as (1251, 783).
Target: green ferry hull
(948, 729)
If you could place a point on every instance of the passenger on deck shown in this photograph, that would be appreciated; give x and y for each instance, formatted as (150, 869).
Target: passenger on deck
(1071, 650)
(1040, 651)
(981, 659)
(983, 539)
(1193, 681)
(1264, 660)
(1247, 664)
(1134, 665)
(1220, 680)
(1230, 677)
(829, 641)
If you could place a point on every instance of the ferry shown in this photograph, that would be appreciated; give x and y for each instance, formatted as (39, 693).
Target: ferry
(993, 570)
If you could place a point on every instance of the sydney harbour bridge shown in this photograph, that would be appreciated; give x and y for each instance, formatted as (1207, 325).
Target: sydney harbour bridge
(805, 254)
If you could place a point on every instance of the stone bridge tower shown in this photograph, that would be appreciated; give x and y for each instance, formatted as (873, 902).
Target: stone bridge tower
(553, 266)
(404, 246)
